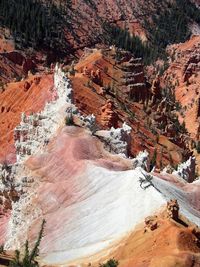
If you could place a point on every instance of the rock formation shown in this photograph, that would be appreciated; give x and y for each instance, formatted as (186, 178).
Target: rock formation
(173, 210)
(18, 58)
(183, 76)
(117, 140)
(151, 223)
(37, 80)
(142, 160)
(186, 170)
(134, 80)
(197, 111)
(34, 130)
(85, 71)
(83, 184)
(108, 116)
(94, 75)
(191, 66)
(27, 85)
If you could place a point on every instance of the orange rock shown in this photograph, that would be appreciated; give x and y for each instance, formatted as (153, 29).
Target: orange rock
(184, 75)
(13, 101)
(151, 223)
(27, 85)
(37, 80)
(108, 117)
(173, 209)
(85, 71)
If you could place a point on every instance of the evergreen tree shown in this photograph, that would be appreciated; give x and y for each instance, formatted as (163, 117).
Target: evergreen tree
(198, 147)
(33, 23)
(28, 259)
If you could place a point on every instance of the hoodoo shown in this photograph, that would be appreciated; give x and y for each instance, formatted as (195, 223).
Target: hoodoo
(99, 133)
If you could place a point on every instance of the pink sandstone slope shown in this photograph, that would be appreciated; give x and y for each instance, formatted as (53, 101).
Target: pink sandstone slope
(89, 198)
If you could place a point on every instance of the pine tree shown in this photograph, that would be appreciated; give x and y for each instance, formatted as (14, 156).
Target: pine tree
(28, 259)
(198, 147)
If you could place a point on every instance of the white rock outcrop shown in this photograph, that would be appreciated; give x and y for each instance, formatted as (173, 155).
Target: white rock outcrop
(35, 131)
(186, 170)
(142, 160)
(116, 140)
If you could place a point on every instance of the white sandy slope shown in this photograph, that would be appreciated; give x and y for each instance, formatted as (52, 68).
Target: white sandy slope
(109, 207)
(111, 204)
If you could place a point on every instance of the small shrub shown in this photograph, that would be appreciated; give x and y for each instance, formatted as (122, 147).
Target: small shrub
(110, 263)
(177, 106)
(2, 249)
(72, 71)
(153, 160)
(89, 84)
(69, 120)
(198, 147)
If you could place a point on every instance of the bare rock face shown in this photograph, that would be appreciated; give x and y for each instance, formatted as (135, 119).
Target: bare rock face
(83, 184)
(108, 117)
(19, 59)
(28, 64)
(191, 66)
(134, 80)
(173, 209)
(15, 56)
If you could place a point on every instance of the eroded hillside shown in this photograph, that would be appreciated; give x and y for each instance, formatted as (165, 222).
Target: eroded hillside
(103, 145)
(69, 168)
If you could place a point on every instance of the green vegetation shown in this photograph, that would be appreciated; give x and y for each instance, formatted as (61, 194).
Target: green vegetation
(179, 128)
(168, 25)
(69, 121)
(2, 249)
(110, 263)
(198, 147)
(171, 24)
(29, 257)
(34, 24)
(37, 23)
(189, 9)
(123, 39)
